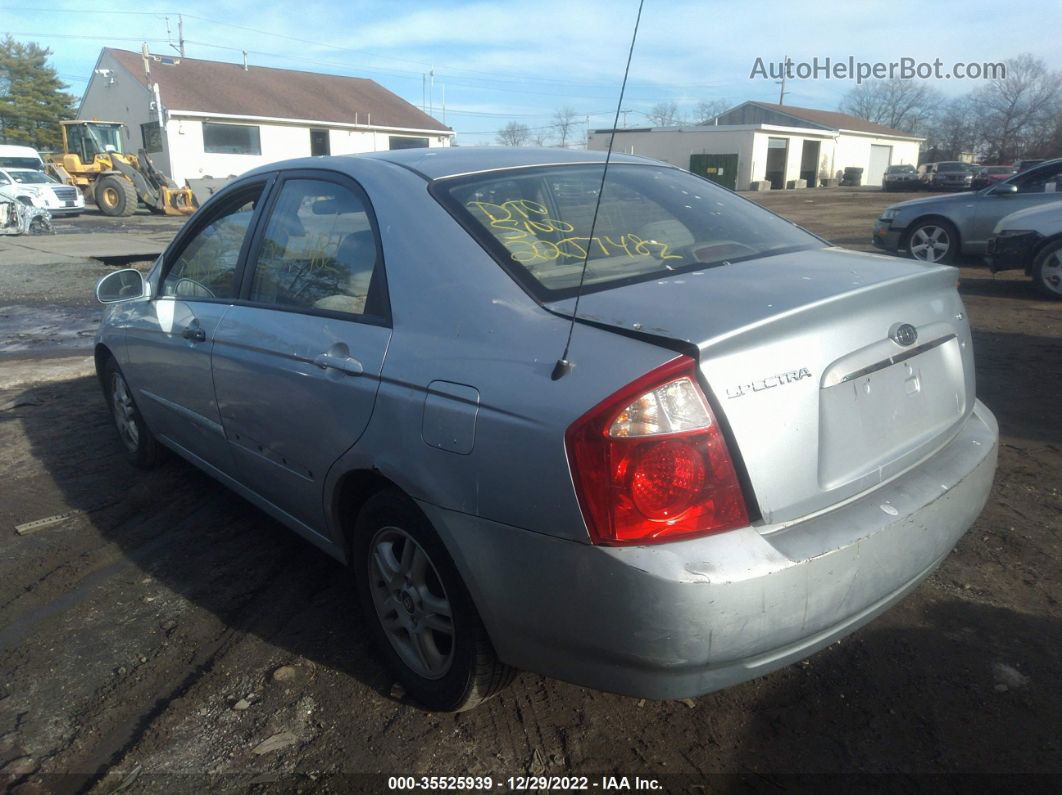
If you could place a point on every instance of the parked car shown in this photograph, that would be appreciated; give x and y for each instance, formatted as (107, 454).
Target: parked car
(901, 177)
(1031, 239)
(947, 175)
(990, 175)
(1025, 165)
(37, 189)
(12, 156)
(758, 441)
(939, 228)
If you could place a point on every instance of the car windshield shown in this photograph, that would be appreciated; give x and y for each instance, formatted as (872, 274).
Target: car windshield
(908, 169)
(999, 170)
(29, 177)
(652, 221)
(20, 162)
(953, 168)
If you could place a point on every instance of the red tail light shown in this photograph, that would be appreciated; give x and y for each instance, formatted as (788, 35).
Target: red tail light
(650, 464)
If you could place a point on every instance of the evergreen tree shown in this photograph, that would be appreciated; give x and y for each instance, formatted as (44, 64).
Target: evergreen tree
(32, 100)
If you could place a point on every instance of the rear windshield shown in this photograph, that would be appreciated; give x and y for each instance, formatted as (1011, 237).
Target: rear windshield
(653, 221)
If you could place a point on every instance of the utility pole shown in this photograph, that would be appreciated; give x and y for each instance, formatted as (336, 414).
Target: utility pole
(431, 92)
(180, 35)
(625, 112)
(783, 92)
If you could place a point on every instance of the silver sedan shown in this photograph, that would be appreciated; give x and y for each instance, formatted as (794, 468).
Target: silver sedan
(940, 228)
(756, 443)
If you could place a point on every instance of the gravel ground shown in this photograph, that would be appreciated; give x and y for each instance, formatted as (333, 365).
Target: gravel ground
(171, 637)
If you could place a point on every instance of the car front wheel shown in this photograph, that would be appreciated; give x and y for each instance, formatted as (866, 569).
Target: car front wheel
(419, 611)
(933, 241)
(1047, 271)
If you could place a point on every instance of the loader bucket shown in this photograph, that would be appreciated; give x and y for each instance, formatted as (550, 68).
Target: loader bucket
(178, 201)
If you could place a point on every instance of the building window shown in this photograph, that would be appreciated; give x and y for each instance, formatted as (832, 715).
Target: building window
(152, 135)
(319, 144)
(231, 139)
(404, 142)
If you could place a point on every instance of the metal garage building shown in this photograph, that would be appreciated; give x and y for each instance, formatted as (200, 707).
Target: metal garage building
(777, 143)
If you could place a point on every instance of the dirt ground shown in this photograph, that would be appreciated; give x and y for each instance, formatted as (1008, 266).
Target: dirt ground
(170, 637)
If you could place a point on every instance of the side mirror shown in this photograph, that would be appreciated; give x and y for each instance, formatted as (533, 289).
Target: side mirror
(123, 285)
(1005, 189)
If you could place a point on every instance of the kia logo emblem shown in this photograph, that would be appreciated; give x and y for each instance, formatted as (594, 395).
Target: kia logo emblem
(904, 334)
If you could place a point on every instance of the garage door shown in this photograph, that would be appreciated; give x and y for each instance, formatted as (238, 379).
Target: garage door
(880, 156)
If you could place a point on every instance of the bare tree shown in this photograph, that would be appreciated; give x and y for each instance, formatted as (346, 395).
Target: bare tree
(901, 104)
(708, 109)
(514, 134)
(665, 114)
(1018, 112)
(564, 124)
(952, 130)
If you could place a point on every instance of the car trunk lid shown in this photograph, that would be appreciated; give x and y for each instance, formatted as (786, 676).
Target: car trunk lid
(820, 400)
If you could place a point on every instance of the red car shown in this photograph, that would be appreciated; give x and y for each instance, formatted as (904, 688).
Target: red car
(990, 175)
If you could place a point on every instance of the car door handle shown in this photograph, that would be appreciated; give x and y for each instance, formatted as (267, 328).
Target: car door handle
(346, 364)
(194, 333)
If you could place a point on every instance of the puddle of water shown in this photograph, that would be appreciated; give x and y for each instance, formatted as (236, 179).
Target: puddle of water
(47, 329)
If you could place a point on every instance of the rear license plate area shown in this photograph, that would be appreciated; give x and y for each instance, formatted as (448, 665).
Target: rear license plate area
(875, 417)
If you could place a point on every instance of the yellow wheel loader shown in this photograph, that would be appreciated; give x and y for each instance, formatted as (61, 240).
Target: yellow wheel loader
(92, 159)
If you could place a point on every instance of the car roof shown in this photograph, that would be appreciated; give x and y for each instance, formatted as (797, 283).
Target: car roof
(446, 161)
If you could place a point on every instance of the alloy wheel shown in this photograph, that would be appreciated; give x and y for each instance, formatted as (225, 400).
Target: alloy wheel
(1051, 272)
(930, 243)
(411, 603)
(124, 413)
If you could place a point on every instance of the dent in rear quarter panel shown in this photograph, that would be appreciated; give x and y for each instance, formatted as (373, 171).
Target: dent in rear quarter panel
(458, 317)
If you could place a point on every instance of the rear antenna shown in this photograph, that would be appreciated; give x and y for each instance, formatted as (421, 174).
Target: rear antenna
(564, 365)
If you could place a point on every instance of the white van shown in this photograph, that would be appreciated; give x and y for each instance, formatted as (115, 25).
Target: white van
(20, 157)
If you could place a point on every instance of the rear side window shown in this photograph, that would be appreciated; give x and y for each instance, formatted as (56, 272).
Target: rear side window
(1043, 180)
(318, 250)
(652, 221)
(206, 266)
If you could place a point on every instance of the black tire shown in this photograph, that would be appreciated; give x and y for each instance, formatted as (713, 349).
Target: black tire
(116, 196)
(140, 445)
(470, 672)
(933, 240)
(1047, 271)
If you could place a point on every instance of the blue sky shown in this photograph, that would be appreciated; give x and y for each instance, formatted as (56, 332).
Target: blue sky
(496, 62)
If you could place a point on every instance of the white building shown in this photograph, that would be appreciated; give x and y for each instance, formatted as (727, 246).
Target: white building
(212, 119)
(777, 143)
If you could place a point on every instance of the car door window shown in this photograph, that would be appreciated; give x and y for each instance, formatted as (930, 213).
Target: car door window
(4, 180)
(1042, 180)
(318, 251)
(206, 266)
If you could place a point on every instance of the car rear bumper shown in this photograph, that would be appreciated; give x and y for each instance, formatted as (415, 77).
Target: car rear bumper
(1007, 252)
(686, 618)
